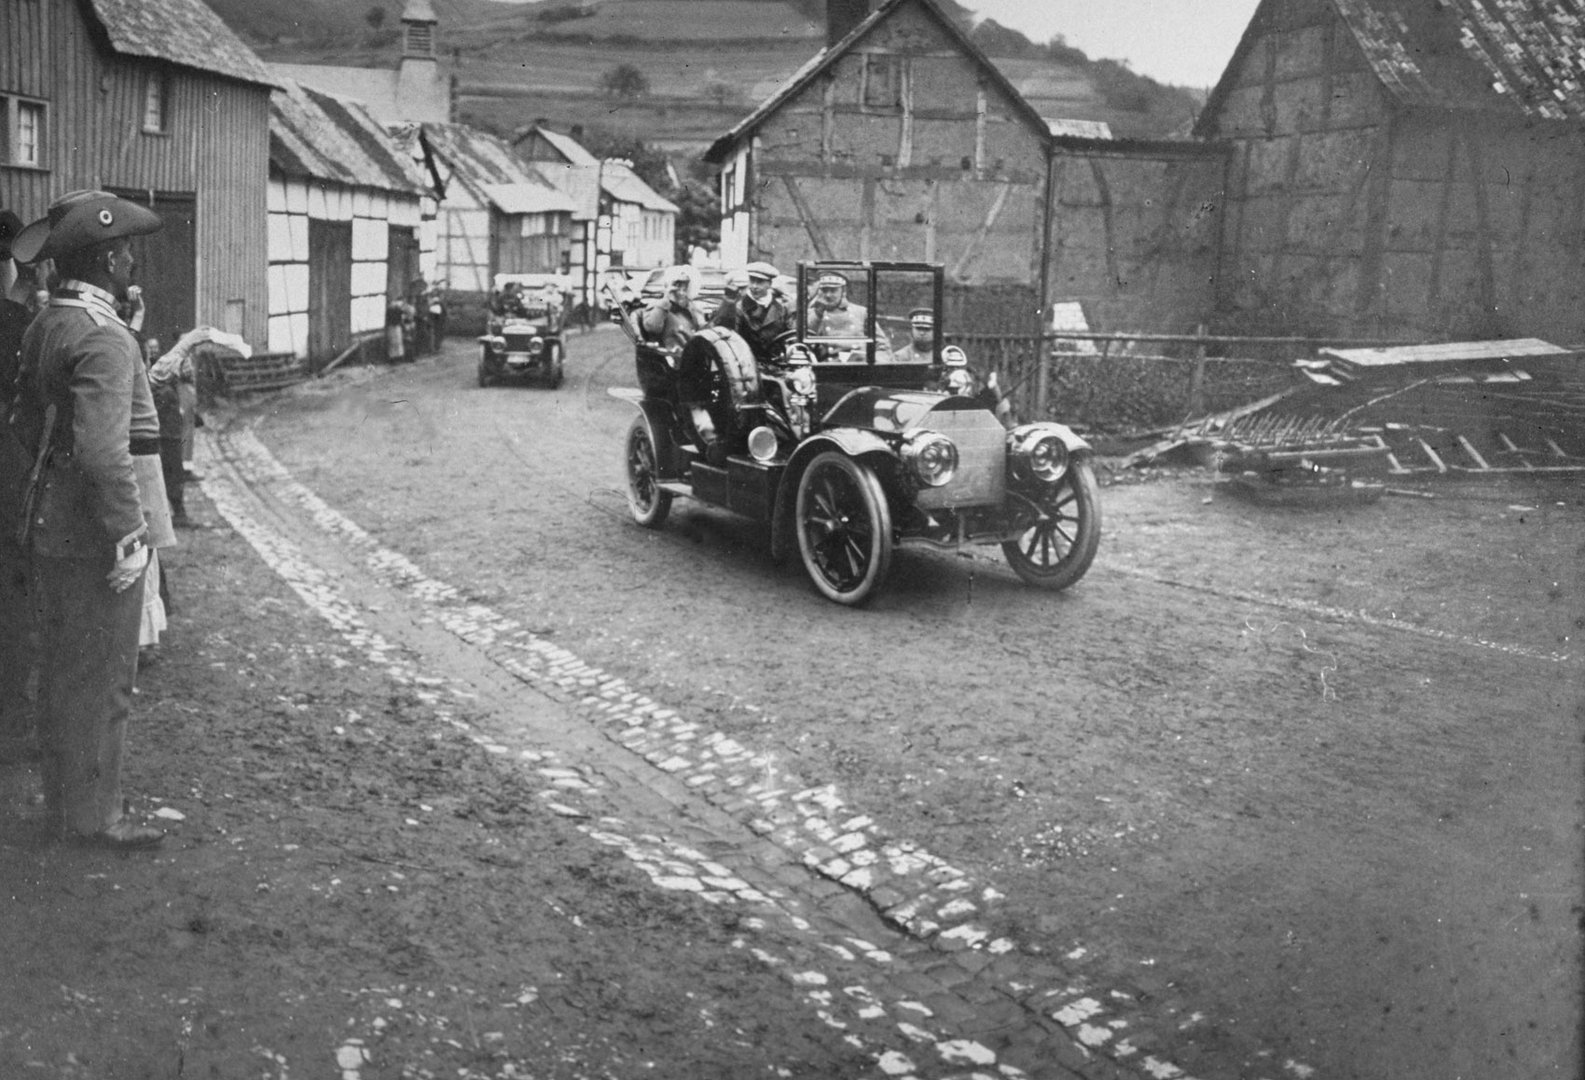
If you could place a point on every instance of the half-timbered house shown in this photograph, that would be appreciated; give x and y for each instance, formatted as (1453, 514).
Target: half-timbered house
(160, 102)
(347, 225)
(620, 221)
(497, 214)
(902, 140)
(1404, 169)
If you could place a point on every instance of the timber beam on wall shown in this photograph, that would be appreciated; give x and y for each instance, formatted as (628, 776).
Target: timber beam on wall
(953, 172)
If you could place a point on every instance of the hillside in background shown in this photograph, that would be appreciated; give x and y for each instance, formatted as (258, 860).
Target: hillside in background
(701, 64)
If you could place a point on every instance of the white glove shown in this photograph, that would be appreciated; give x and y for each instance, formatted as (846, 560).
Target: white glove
(128, 570)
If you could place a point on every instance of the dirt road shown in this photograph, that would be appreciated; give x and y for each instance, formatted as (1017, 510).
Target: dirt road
(1266, 794)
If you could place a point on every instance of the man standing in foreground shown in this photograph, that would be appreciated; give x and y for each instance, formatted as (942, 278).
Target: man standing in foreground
(89, 541)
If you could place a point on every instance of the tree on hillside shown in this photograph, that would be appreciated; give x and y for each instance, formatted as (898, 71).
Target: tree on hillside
(375, 17)
(624, 81)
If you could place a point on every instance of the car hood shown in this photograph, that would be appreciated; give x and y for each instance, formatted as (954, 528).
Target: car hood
(897, 411)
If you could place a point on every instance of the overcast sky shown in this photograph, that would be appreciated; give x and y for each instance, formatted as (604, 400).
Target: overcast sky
(1172, 41)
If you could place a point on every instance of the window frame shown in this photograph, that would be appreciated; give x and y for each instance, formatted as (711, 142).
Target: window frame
(12, 109)
(157, 91)
(881, 83)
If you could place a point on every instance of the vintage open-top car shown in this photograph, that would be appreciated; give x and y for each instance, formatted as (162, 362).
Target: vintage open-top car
(523, 336)
(843, 437)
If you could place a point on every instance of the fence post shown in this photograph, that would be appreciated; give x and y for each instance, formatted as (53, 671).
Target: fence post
(1197, 379)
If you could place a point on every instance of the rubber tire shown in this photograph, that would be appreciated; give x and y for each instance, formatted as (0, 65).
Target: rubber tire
(841, 504)
(485, 378)
(1074, 517)
(556, 373)
(648, 504)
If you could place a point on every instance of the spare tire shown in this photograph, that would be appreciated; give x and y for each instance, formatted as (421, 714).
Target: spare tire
(717, 369)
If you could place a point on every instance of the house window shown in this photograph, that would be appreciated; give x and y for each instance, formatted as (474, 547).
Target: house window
(22, 132)
(155, 98)
(883, 81)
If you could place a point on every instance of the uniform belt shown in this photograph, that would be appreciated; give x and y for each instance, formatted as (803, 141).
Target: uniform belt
(145, 445)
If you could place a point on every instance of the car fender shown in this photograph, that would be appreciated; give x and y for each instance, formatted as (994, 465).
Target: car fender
(850, 441)
(1076, 444)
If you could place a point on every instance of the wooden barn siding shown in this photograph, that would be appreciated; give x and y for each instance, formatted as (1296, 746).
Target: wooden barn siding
(834, 179)
(216, 147)
(24, 69)
(1134, 238)
(1350, 216)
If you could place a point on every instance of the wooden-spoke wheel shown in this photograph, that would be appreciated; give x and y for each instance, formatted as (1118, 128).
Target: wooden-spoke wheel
(1058, 547)
(844, 528)
(647, 501)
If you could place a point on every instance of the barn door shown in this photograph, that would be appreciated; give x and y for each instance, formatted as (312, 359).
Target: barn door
(167, 265)
(329, 289)
(402, 264)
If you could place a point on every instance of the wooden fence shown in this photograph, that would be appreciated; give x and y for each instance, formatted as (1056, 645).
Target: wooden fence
(1137, 382)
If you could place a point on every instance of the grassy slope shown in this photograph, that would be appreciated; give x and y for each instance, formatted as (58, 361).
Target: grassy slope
(515, 66)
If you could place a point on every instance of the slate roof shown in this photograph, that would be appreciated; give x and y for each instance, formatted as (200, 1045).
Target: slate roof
(184, 32)
(482, 162)
(582, 171)
(1521, 57)
(829, 55)
(323, 137)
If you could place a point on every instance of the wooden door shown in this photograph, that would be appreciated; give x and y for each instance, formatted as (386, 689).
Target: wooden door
(329, 290)
(166, 265)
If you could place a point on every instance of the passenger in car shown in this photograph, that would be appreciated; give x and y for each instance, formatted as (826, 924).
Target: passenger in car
(673, 319)
(757, 316)
(921, 338)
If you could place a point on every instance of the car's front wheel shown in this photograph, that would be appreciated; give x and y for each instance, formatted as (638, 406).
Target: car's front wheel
(1058, 547)
(647, 501)
(486, 373)
(844, 528)
(554, 365)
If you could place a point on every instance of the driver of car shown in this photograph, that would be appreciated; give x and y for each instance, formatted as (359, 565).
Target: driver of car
(674, 318)
(831, 313)
(757, 316)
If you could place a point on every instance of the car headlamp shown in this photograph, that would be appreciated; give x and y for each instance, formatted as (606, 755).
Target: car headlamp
(932, 457)
(762, 444)
(802, 381)
(1039, 454)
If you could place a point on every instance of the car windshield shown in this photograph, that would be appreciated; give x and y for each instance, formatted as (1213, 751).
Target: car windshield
(849, 306)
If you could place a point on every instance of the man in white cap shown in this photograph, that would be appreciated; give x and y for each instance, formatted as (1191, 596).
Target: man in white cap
(81, 389)
(921, 347)
(757, 316)
(673, 319)
(831, 314)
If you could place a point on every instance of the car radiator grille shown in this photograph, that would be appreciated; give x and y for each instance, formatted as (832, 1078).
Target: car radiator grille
(981, 479)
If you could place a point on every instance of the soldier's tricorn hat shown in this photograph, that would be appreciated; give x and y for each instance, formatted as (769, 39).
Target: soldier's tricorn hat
(81, 219)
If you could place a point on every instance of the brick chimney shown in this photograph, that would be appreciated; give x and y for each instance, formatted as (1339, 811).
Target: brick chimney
(842, 16)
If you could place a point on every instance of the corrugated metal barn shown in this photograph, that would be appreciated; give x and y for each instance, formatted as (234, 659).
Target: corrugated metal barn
(1406, 169)
(348, 232)
(157, 100)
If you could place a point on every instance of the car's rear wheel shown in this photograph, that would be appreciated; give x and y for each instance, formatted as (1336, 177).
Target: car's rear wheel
(646, 500)
(1058, 548)
(844, 528)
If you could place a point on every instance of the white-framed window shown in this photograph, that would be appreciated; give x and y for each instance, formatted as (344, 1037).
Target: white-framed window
(156, 102)
(23, 129)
